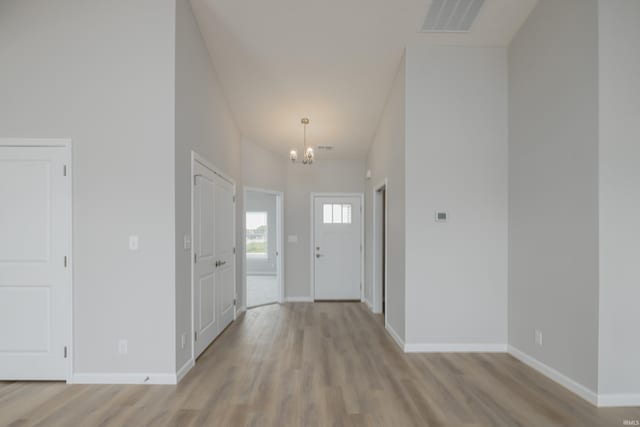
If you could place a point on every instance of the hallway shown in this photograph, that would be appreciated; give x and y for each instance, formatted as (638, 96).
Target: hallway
(316, 364)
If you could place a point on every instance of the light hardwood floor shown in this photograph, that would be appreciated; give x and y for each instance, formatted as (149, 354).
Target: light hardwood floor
(316, 364)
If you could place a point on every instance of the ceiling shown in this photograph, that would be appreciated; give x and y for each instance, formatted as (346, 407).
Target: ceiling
(330, 60)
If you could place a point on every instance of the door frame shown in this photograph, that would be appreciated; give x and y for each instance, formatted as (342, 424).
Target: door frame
(279, 240)
(376, 291)
(312, 265)
(65, 143)
(195, 157)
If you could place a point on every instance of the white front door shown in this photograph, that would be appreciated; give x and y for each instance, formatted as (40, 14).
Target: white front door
(337, 246)
(214, 255)
(35, 270)
(204, 283)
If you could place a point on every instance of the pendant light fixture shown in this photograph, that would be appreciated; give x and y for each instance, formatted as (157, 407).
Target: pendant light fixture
(307, 157)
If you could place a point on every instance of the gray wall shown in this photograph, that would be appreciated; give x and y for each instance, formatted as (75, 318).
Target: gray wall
(264, 202)
(86, 71)
(456, 161)
(619, 41)
(345, 176)
(386, 159)
(204, 124)
(553, 187)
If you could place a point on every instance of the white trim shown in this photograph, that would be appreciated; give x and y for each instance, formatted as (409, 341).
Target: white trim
(241, 310)
(395, 336)
(279, 240)
(619, 400)
(35, 142)
(572, 385)
(299, 299)
(134, 378)
(312, 240)
(185, 370)
(454, 348)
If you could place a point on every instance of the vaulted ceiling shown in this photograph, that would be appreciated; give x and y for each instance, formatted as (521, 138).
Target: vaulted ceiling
(330, 60)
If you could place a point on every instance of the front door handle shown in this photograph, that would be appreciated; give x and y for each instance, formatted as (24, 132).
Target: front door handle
(220, 263)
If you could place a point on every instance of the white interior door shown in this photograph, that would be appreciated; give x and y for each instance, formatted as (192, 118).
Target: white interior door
(224, 249)
(336, 253)
(205, 300)
(214, 290)
(35, 276)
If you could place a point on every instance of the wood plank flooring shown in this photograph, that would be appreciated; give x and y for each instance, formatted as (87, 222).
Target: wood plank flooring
(314, 365)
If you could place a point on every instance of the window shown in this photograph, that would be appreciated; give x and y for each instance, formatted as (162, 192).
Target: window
(257, 234)
(336, 213)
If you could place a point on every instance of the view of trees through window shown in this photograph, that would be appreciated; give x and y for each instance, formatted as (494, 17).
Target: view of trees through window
(257, 233)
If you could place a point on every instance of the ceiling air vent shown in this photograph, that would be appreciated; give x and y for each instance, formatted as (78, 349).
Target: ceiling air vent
(325, 147)
(451, 16)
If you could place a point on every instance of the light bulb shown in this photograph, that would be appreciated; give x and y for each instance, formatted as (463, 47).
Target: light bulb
(293, 155)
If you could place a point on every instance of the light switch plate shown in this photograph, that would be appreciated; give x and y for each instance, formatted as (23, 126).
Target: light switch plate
(133, 243)
(187, 242)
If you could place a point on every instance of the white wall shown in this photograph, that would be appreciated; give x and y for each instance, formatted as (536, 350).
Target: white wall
(553, 181)
(262, 168)
(87, 71)
(456, 161)
(345, 176)
(204, 124)
(619, 193)
(257, 201)
(386, 160)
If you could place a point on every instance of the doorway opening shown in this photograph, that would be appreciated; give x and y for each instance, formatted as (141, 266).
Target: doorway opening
(380, 215)
(263, 247)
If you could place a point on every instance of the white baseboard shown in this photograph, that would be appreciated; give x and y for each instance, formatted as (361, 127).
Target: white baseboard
(619, 400)
(299, 299)
(184, 370)
(454, 348)
(574, 386)
(240, 309)
(108, 378)
(395, 336)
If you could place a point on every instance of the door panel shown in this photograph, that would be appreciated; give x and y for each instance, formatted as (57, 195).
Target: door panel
(205, 300)
(214, 262)
(225, 241)
(35, 279)
(337, 257)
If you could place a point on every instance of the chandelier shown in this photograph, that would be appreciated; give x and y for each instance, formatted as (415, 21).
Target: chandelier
(307, 157)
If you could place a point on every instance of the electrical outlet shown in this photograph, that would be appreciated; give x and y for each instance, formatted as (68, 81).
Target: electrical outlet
(123, 347)
(184, 339)
(539, 337)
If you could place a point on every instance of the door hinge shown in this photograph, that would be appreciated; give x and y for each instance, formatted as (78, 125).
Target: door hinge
(195, 336)
(234, 250)
(234, 301)
(65, 351)
(65, 261)
(195, 180)
(64, 170)
(234, 198)
(195, 258)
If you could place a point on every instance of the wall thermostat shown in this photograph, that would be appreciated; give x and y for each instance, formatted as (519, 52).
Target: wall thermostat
(442, 216)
